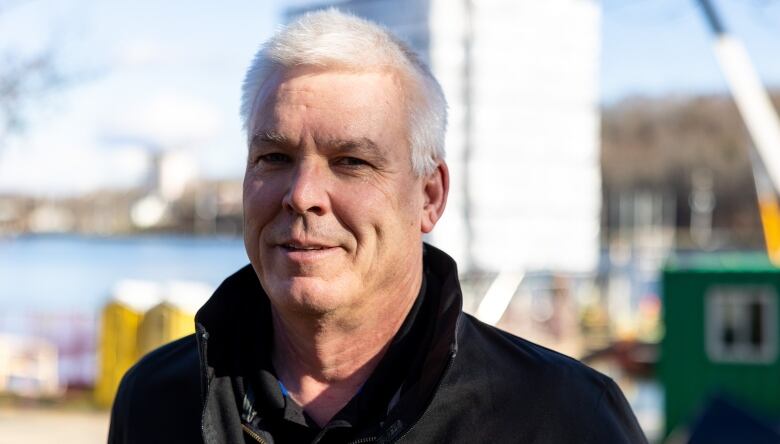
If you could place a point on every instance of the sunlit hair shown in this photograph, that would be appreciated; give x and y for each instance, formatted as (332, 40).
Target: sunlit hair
(332, 39)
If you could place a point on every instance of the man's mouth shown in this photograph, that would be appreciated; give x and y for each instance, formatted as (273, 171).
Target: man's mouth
(293, 247)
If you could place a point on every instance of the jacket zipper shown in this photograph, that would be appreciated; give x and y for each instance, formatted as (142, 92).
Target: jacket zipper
(363, 440)
(201, 338)
(254, 435)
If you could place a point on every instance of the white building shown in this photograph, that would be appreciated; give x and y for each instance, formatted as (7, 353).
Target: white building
(521, 78)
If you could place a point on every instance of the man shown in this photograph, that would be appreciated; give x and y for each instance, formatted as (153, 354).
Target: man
(346, 327)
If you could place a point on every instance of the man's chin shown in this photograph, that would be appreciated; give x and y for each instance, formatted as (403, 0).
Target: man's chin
(310, 294)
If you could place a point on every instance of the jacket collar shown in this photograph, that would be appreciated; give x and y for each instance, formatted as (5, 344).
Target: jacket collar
(232, 338)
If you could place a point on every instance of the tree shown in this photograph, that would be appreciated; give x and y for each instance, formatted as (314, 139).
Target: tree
(23, 81)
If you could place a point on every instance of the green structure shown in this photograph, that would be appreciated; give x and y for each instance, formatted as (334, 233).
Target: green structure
(721, 318)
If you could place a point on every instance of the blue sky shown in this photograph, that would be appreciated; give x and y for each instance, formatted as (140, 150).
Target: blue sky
(658, 47)
(168, 74)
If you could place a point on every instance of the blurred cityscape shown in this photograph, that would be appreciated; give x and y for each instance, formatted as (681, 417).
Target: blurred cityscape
(189, 205)
(633, 234)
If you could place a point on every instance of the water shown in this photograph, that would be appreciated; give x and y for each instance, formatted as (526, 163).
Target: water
(69, 273)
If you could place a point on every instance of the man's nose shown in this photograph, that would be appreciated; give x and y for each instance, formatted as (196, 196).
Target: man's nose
(307, 192)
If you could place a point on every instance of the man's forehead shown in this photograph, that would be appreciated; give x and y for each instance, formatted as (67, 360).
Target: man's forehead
(328, 127)
(337, 108)
(312, 82)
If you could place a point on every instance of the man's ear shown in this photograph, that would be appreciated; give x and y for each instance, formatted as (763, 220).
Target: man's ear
(436, 185)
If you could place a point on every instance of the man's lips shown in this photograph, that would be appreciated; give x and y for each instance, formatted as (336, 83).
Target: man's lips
(297, 246)
(306, 253)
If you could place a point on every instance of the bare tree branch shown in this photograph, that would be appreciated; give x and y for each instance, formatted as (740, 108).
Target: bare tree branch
(24, 80)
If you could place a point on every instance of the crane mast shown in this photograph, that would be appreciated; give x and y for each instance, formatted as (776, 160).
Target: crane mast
(761, 120)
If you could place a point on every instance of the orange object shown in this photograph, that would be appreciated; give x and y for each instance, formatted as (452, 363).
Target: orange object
(770, 220)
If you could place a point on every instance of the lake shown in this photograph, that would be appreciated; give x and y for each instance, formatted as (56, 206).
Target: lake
(70, 273)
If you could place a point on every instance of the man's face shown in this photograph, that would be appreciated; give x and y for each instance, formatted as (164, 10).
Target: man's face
(332, 208)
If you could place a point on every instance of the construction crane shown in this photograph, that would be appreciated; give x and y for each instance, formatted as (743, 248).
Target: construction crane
(761, 120)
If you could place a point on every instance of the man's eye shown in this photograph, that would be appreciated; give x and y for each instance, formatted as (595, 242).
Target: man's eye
(274, 158)
(351, 161)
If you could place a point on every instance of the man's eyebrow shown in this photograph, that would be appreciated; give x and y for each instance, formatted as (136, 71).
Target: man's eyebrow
(363, 144)
(269, 137)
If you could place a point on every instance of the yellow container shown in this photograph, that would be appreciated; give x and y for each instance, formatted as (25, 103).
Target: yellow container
(163, 323)
(172, 318)
(118, 335)
(140, 317)
(117, 348)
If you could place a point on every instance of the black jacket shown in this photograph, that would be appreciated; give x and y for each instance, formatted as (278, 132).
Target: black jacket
(474, 383)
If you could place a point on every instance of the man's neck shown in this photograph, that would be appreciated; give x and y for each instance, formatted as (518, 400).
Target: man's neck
(323, 363)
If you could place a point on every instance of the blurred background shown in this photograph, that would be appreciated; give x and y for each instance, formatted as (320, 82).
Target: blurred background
(615, 168)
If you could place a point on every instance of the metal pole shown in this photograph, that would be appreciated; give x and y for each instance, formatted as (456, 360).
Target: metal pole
(749, 93)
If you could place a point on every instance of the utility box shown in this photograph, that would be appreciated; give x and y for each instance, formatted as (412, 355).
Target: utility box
(721, 335)
(118, 348)
(163, 323)
(172, 318)
(140, 317)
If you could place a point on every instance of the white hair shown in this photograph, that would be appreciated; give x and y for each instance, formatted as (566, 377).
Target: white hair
(333, 39)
